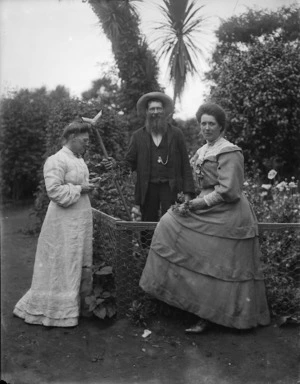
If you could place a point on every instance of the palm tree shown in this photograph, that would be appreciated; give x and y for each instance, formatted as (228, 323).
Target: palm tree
(178, 40)
(136, 63)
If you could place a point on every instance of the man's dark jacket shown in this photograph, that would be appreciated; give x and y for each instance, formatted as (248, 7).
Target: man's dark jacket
(179, 169)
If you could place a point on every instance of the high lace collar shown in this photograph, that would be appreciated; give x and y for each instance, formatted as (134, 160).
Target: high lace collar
(211, 144)
(71, 152)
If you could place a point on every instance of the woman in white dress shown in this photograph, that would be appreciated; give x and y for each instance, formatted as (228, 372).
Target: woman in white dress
(63, 260)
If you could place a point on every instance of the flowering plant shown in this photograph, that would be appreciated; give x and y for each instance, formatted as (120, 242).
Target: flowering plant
(279, 202)
(275, 202)
(272, 174)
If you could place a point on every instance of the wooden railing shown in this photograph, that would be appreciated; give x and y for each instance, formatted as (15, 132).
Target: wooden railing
(152, 224)
(278, 226)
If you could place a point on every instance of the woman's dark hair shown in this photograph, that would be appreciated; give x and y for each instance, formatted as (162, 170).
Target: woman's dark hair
(214, 110)
(75, 127)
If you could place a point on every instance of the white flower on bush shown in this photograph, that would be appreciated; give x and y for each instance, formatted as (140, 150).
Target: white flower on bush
(246, 183)
(281, 186)
(272, 174)
(266, 186)
(292, 184)
(265, 193)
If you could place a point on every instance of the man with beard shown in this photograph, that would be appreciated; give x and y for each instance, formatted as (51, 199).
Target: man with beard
(158, 154)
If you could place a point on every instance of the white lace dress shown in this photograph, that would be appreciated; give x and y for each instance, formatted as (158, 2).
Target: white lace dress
(62, 269)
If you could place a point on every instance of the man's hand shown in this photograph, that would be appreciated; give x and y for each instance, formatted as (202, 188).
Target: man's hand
(136, 213)
(108, 163)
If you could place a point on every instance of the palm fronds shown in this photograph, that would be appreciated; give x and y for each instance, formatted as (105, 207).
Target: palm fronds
(178, 40)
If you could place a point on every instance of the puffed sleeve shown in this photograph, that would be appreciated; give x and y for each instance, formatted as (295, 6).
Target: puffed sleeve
(63, 194)
(230, 179)
(230, 176)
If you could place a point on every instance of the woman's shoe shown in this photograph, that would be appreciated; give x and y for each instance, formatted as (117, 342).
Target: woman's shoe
(199, 327)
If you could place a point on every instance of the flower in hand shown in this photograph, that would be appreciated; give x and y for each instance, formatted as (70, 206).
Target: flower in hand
(181, 209)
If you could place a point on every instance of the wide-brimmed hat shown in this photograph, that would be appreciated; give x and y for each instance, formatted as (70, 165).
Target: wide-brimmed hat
(142, 103)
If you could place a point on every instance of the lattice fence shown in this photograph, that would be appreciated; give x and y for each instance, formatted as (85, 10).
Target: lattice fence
(124, 245)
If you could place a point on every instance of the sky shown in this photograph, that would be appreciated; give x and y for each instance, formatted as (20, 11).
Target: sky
(52, 42)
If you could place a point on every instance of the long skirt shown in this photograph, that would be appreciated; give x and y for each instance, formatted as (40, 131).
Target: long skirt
(217, 278)
(62, 269)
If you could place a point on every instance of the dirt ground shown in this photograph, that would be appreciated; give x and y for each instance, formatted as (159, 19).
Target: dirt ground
(110, 353)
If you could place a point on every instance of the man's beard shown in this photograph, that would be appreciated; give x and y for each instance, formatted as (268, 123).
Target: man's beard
(156, 124)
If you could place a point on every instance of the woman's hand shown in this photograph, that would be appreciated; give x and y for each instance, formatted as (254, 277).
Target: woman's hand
(198, 203)
(189, 206)
(86, 188)
(181, 209)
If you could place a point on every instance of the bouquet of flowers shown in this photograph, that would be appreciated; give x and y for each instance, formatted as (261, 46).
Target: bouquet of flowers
(181, 209)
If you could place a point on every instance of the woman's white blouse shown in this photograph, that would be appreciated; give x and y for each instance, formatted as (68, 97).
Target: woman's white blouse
(64, 173)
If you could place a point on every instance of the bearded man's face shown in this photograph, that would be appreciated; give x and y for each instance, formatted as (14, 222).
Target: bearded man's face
(155, 117)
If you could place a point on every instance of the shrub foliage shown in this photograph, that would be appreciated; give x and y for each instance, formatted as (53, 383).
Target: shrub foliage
(256, 75)
(23, 123)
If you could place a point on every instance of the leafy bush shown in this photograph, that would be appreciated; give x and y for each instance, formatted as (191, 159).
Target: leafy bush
(24, 117)
(280, 252)
(23, 123)
(255, 74)
(102, 300)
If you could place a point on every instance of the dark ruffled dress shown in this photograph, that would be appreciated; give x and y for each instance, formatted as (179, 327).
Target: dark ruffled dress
(208, 263)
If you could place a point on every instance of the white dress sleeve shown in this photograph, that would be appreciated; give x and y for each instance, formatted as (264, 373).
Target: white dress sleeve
(60, 192)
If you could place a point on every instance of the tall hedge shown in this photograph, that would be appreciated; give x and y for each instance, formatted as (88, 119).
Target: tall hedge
(24, 116)
(260, 90)
(256, 79)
